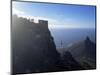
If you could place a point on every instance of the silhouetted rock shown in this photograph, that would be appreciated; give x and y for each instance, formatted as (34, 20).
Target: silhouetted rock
(33, 47)
(69, 63)
(85, 53)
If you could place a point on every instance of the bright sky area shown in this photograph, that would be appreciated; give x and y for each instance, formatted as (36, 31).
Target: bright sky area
(58, 15)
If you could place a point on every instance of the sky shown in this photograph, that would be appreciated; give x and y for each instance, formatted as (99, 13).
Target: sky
(58, 15)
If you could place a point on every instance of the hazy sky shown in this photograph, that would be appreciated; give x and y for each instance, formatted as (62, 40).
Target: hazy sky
(58, 15)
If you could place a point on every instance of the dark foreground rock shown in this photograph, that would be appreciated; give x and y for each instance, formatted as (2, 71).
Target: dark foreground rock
(33, 48)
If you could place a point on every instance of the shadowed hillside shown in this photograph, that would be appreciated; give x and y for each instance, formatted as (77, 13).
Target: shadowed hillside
(85, 53)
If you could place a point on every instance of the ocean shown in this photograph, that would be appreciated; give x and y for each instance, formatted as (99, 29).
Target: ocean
(65, 37)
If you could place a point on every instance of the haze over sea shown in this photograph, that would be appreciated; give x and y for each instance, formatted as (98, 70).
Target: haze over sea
(69, 36)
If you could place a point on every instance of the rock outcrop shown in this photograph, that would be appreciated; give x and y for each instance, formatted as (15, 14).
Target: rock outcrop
(85, 53)
(33, 47)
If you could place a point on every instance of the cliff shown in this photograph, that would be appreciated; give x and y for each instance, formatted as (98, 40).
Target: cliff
(33, 47)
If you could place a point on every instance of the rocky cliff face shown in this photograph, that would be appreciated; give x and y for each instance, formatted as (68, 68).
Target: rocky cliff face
(33, 47)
